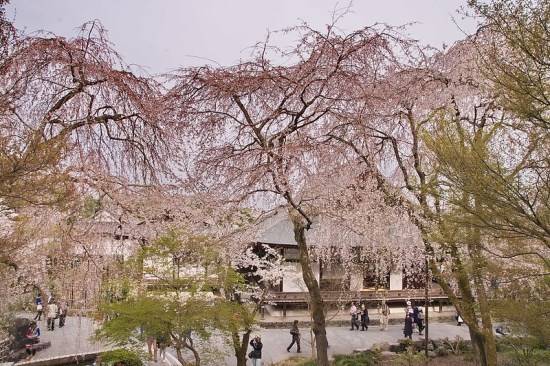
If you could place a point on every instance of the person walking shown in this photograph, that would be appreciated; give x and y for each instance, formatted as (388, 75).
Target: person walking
(256, 354)
(364, 317)
(353, 313)
(152, 347)
(161, 346)
(39, 307)
(420, 321)
(408, 308)
(408, 329)
(52, 312)
(63, 310)
(295, 332)
(416, 309)
(384, 315)
(32, 338)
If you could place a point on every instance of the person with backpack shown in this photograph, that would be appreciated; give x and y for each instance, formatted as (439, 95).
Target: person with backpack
(295, 332)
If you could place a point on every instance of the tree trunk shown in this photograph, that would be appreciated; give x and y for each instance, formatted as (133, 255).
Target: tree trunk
(317, 305)
(179, 355)
(466, 307)
(240, 347)
(483, 304)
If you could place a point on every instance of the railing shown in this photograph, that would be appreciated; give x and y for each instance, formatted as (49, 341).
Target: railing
(346, 296)
(435, 295)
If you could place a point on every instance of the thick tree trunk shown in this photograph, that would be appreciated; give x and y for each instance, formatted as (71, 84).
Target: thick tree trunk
(317, 305)
(483, 304)
(467, 306)
(482, 336)
(240, 347)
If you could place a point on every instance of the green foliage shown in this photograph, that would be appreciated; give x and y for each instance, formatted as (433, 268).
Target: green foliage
(405, 345)
(411, 359)
(188, 288)
(524, 308)
(91, 207)
(308, 363)
(524, 351)
(359, 359)
(515, 57)
(120, 356)
(159, 316)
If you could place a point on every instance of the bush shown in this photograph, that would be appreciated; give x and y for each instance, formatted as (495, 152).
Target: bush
(405, 345)
(525, 342)
(359, 359)
(120, 357)
(526, 351)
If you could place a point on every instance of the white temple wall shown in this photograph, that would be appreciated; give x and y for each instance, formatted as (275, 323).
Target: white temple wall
(293, 280)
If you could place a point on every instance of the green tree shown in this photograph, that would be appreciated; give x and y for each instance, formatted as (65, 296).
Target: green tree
(513, 45)
(179, 286)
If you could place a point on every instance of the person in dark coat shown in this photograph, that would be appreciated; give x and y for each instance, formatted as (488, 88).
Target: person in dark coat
(256, 353)
(63, 311)
(415, 318)
(295, 332)
(408, 330)
(364, 317)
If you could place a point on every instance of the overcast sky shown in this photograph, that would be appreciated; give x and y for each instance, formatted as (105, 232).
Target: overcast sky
(162, 35)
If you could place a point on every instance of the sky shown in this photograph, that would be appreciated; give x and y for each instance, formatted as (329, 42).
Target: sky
(162, 35)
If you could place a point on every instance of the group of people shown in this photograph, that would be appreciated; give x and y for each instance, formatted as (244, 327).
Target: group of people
(414, 320)
(359, 314)
(256, 353)
(51, 311)
(157, 347)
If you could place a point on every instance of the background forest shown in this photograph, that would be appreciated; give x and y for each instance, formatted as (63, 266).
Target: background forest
(125, 192)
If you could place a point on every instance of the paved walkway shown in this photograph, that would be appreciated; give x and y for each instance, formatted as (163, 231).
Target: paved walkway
(74, 339)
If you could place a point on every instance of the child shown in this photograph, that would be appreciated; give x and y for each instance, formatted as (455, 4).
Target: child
(39, 307)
